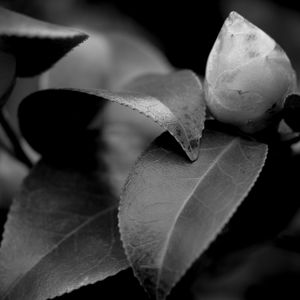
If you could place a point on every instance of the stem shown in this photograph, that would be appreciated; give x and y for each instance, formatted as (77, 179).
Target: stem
(19, 152)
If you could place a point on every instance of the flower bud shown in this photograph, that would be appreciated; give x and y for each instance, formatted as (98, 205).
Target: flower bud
(248, 76)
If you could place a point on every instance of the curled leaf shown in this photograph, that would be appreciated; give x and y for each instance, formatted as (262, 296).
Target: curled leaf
(171, 209)
(37, 45)
(174, 101)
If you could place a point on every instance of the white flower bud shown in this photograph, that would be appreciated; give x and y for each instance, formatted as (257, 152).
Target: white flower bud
(248, 76)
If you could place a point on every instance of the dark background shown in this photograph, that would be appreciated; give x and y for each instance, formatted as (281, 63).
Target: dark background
(184, 30)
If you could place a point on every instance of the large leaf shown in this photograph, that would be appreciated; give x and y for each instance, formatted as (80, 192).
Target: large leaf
(171, 209)
(174, 101)
(36, 45)
(62, 230)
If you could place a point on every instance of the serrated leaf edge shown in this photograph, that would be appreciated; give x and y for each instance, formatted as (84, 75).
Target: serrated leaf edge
(209, 242)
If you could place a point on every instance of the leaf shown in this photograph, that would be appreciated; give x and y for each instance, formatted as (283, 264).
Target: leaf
(171, 209)
(12, 172)
(61, 232)
(36, 45)
(174, 101)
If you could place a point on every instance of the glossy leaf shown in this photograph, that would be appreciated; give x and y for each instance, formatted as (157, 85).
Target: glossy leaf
(62, 230)
(171, 209)
(36, 45)
(174, 101)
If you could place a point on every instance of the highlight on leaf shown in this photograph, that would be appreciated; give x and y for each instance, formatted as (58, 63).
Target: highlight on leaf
(106, 60)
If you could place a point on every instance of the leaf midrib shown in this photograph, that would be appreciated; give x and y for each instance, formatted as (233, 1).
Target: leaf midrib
(169, 236)
(70, 234)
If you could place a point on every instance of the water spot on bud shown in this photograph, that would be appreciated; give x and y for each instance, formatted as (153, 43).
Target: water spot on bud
(253, 54)
(251, 37)
(194, 144)
(187, 116)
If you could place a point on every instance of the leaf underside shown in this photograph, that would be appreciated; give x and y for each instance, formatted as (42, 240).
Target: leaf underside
(174, 101)
(171, 209)
(36, 45)
(61, 234)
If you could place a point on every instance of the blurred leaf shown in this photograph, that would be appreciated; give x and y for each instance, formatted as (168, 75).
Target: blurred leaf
(35, 44)
(62, 232)
(23, 87)
(174, 101)
(171, 209)
(106, 60)
(274, 17)
(133, 56)
(123, 145)
(12, 173)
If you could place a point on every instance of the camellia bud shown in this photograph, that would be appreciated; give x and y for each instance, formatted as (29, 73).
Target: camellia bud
(248, 76)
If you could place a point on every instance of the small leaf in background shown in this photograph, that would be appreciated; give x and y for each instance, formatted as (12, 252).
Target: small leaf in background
(174, 101)
(36, 45)
(123, 145)
(61, 232)
(107, 60)
(171, 209)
